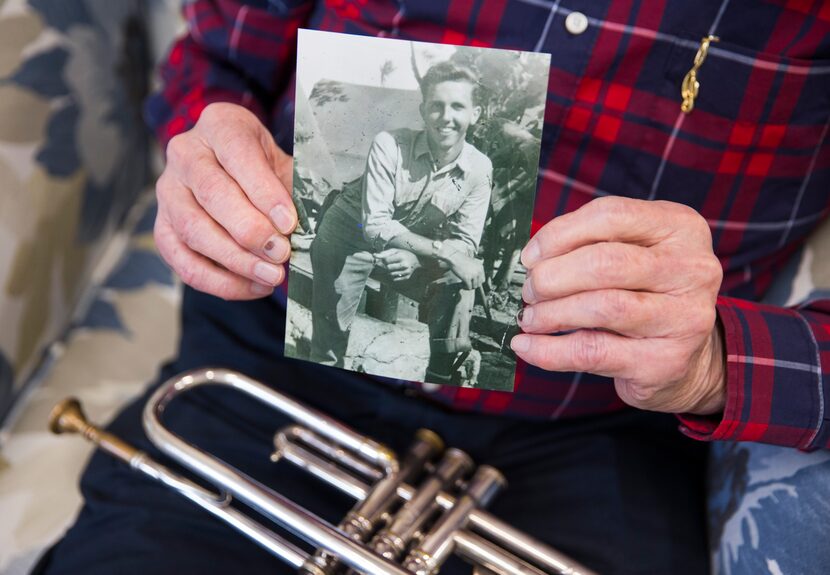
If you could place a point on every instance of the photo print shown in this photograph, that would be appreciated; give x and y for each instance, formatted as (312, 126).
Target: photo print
(415, 168)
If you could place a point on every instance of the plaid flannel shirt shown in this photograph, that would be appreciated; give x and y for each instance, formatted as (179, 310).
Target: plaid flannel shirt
(753, 157)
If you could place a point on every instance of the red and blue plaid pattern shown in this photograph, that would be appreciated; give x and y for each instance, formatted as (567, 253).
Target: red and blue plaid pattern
(753, 157)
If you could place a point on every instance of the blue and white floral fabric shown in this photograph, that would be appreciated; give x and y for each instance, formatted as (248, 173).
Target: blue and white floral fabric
(73, 156)
(769, 507)
(769, 510)
(108, 357)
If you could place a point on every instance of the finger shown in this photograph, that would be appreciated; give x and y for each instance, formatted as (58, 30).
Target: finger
(596, 267)
(249, 155)
(398, 266)
(393, 258)
(645, 374)
(203, 235)
(617, 219)
(199, 272)
(222, 198)
(630, 313)
(386, 253)
(597, 352)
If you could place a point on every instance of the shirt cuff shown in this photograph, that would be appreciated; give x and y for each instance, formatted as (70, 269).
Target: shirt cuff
(773, 379)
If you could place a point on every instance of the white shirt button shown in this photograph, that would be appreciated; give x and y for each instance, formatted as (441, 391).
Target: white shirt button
(576, 23)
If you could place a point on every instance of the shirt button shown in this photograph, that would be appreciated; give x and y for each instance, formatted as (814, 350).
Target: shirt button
(576, 23)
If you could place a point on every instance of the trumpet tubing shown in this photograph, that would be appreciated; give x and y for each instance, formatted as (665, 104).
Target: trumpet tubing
(406, 519)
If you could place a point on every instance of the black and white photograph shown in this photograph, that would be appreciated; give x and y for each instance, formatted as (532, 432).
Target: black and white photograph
(415, 169)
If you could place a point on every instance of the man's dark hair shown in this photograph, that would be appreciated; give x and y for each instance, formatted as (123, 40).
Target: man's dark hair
(450, 72)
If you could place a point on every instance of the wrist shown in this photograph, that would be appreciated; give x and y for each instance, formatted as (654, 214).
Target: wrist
(713, 357)
(442, 252)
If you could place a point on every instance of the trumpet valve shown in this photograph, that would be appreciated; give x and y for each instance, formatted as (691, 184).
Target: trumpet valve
(389, 545)
(420, 562)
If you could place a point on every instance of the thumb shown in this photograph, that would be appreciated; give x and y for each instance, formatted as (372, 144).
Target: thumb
(282, 163)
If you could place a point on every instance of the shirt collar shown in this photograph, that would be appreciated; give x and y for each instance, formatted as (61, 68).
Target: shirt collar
(463, 161)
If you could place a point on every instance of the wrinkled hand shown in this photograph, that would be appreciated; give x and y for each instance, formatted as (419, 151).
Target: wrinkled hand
(400, 263)
(469, 270)
(225, 207)
(638, 282)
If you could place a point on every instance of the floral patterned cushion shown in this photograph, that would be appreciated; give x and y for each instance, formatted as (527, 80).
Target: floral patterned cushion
(764, 500)
(73, 156)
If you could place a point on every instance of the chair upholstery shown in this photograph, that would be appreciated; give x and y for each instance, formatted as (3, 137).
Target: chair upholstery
(73, 157)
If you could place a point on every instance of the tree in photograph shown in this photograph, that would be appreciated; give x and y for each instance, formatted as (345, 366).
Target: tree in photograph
(387, 68)
(512, 96)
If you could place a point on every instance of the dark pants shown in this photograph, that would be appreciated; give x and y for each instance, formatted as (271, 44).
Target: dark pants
(622, 493)
(342, 262)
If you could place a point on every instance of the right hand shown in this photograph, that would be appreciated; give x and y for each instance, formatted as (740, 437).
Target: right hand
(224, 205)
(469, 270)
(400, 263)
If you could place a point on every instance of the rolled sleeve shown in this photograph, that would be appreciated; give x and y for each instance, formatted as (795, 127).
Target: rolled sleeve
(379, 225)
(777, 376)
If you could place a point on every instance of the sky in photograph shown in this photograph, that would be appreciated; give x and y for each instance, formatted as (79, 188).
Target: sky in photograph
(359, 59)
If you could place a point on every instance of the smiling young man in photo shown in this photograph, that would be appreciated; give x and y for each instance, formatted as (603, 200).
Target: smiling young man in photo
(414, 221)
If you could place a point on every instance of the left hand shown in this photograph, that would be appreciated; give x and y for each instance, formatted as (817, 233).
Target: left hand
(400, 263)
(470, 270)
(638, 281)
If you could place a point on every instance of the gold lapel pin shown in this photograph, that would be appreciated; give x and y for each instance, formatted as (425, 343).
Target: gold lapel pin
(690, 87)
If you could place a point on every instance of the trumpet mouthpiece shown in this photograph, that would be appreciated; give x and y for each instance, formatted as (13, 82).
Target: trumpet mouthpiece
(67, 417)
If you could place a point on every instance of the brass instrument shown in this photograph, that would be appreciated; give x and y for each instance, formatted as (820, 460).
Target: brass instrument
(409, 516)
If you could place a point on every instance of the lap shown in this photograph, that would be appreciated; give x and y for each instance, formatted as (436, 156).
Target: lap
(621, 493)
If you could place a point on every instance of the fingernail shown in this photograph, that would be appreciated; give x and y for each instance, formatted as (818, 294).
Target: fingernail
(276, 248)
(527, 292)
(525, 316)
(531, 253)
(520, 343)
(283, 219)
(261, 289)
(268, 273)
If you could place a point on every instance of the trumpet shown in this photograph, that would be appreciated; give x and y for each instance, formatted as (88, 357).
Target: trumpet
(410, 515)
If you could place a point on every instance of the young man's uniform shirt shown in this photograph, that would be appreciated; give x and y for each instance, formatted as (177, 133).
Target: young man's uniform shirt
(401, 191)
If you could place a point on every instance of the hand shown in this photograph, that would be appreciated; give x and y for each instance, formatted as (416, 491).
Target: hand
(225, 207)
(638, 281)
(400, 264)
(469, 270)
